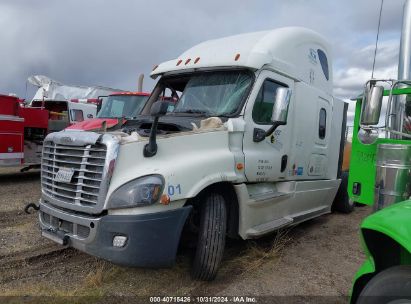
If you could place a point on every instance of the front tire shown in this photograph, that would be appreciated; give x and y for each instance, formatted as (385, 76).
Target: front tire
(342, 202)
(390, 285)
(211, 238)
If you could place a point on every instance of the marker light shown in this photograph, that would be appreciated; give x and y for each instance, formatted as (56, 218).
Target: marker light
(237, 57)
(197, 60)
(187, 61)
(240, 166)
(179, 62)
(155, 67)
(119, 241)
(165, 199)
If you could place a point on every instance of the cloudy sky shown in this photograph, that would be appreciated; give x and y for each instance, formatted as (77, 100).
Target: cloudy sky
(110, 43)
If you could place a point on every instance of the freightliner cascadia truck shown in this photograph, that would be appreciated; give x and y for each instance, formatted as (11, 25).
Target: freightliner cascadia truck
(380, 175)
(252, 144)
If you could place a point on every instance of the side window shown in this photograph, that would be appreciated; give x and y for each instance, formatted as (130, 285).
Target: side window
(323, 123)
(263, 106)
(324, 63)
(76, 115)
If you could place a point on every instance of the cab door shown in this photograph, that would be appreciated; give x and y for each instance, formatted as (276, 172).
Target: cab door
(318, 160)
(267, 160)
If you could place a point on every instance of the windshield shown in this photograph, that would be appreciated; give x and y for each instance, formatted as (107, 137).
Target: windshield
(117, 106)
(214, 93)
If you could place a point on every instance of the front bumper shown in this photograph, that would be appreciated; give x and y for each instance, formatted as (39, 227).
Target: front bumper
(152, 239)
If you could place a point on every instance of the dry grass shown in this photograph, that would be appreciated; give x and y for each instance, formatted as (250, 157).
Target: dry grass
(95, 277)
(256, 253)
(104, 279)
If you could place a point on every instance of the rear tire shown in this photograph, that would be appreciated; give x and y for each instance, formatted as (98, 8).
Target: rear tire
(342, 202)
(390, 285)
(211, 238)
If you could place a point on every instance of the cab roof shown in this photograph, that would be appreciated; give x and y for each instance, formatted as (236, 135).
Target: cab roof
(293, 51)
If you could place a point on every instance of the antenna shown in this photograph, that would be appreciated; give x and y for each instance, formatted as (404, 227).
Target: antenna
(376, 40)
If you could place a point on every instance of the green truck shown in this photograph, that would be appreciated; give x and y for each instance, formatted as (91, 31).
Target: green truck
(380, 175)
(380, 171)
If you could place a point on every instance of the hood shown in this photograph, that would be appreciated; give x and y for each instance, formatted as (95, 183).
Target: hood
(93, 124)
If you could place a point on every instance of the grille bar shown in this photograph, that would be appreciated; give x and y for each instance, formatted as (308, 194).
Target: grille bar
(68, 189)
(73, 162)
(71, 148)
(74, 177)
(71, 155)
(77, 170)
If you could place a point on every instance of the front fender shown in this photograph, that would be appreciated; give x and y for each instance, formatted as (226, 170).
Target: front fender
(394, 222)
(363, 275)
(386, 240)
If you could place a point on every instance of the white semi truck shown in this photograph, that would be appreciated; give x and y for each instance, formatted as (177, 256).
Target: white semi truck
(253, 144)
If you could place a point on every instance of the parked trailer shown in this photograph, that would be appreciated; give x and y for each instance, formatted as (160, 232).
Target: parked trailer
(380, 176)
(253, 144)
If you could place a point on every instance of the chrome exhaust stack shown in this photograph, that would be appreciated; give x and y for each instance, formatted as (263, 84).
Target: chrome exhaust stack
(404, 68)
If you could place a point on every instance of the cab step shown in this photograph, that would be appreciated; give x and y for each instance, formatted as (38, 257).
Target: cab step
(262, 229)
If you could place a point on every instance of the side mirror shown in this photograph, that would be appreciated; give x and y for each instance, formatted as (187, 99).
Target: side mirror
(159, 108)
(371, 107)
(280, 108)
(279, 116)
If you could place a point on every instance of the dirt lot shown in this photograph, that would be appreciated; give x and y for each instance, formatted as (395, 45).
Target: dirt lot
(317, 258)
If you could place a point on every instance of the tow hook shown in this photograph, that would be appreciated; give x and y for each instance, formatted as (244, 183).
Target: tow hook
(25, 169)
(31, 205)
(56, 235)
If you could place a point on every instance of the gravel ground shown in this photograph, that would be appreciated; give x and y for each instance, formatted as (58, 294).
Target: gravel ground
(315, 259)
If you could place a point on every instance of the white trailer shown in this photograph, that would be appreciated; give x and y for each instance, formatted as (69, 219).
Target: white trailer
(253, 144)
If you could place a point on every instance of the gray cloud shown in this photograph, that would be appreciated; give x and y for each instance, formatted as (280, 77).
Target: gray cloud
(110, 43)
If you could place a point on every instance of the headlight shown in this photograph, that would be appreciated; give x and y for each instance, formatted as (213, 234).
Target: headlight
(142, 191)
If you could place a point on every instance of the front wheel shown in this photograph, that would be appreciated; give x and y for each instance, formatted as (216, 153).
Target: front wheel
(392, 285)
(211, 238)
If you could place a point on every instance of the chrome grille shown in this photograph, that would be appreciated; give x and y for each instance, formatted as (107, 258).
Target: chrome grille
(88, 163)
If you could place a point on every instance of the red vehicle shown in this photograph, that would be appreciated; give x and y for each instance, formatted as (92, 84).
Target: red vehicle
(17, 124)
(121, 105)
(23, 127)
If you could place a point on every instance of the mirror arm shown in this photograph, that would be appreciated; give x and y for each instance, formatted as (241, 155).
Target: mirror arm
(158, 109)
(150, 149)
(260, 134)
